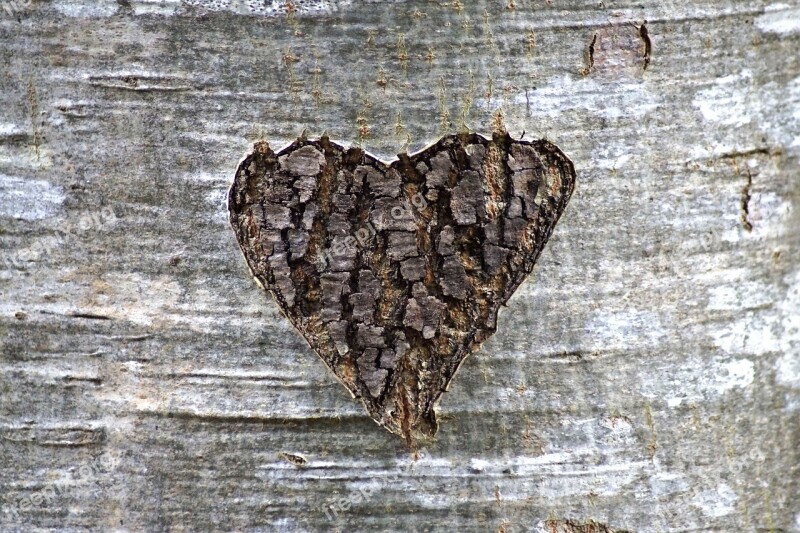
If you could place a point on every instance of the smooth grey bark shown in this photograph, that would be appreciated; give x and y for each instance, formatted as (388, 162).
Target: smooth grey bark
(646, 377)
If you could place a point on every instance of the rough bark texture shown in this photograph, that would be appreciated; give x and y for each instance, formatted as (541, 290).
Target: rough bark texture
(646, 377)
(395, 274)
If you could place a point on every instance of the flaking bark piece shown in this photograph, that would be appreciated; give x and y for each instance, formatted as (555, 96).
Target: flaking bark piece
(394, 274)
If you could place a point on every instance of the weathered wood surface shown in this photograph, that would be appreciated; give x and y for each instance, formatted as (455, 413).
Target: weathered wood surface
(646, 376)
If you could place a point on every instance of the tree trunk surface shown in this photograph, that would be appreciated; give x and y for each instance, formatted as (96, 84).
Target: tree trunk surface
(646, 376)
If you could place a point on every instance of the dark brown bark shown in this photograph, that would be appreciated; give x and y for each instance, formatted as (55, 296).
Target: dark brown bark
(395, 274)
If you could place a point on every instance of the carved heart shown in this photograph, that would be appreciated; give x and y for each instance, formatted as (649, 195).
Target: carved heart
(394, 274)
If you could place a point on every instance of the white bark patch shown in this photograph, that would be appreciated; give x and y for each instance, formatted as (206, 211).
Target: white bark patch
(781, 19)
(747, 294)
(771, 211)
(667, 483)
(753, 334)
(615, 432)
(269, 9)
(697, 380)
(80, 9)
(725, 101)
(790, 340)
(8, 129)
(787, 370)
(777, 107)
(478, 465)
(621, 329)
(787, 367)
(732, 374)
(27, 199)
(218, 200)
(156, 7)
(567, 93)
(759, 332)
(132, 298)
(736, 100)
(716, 503)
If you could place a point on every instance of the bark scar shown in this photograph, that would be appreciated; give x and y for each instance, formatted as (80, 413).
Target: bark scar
(395, 273)
(745, 202)
(590, 56)
(648, 45)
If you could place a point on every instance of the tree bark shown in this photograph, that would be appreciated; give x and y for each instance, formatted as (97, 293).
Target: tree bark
(645, 377)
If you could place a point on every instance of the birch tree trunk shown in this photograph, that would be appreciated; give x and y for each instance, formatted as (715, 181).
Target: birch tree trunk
(646, 377)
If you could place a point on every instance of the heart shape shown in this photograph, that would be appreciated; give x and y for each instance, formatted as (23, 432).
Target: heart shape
(394, 274)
